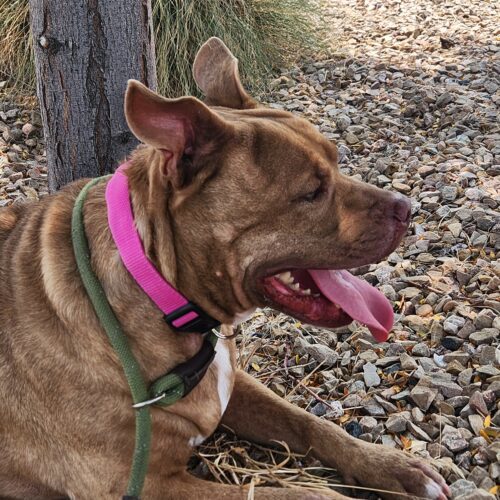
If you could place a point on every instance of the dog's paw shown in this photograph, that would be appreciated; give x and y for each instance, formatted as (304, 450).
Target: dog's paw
(396, 475)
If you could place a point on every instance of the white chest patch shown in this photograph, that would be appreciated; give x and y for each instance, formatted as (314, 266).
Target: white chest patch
(222, 362)
(196, 441)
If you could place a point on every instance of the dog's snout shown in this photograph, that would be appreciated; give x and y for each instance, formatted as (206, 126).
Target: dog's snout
(401, 209)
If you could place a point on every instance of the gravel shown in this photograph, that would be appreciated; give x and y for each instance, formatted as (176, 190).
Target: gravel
(410, 93)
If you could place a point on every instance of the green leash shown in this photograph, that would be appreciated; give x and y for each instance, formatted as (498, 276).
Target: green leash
(165, 391)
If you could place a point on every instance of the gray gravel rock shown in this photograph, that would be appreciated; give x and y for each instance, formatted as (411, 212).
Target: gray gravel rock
(397, 423)
(485, 336)
(423, 397)
(462, 487)
(370, 375)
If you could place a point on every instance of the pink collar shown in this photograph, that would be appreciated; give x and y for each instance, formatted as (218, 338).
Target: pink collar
(179, 312)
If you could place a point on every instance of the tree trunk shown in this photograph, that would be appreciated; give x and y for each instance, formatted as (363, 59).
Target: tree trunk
(85, 51)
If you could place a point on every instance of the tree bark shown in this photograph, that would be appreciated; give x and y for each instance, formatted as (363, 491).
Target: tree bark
(85, 51)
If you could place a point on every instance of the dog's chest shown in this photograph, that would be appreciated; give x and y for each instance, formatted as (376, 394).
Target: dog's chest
(208, 401)
(223, 366)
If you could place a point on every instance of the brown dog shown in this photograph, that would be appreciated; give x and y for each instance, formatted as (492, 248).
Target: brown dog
(227, 199)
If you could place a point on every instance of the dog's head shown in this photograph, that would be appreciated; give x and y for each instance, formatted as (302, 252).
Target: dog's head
(259, 211)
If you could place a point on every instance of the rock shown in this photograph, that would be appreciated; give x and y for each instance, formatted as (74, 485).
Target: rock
(451, 343)
(389, 292)
(462, 487)
(387, 405)
(476, 402)
(474, 194)
(476, 423)
(417, 415)
(455, 367)
(453, 323)
(437, 450)
(477, 495)
(424, 310)
(423, 397)
(407, 362)
(477, 475)
(453, 440)
(449, 193)
(461, 357)
(343, 122)
(388, 441)
(351, 138)
(334, 410)
(488, 371)
(386, 361)
(352, 401)
(370, 375)
(372, 408)
(494, 470)
(399, 186)
(354, 429)
(420, 433)
(28, 129)
(485, 336)
(484, 319)
(368, 424)
(319, 409)
(446, 388)
(421, 350)
(489, 355)
(321, 353)
(396, 423)
(466, 330)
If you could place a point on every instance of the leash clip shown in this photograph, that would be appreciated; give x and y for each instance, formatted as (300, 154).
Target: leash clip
(219, 335)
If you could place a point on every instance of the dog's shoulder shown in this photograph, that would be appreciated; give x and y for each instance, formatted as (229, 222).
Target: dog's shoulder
(10, 217)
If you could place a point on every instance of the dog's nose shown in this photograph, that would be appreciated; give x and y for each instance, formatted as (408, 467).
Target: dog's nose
(401, 209)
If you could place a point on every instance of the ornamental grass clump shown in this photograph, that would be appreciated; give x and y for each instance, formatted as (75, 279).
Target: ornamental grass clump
(263, 34)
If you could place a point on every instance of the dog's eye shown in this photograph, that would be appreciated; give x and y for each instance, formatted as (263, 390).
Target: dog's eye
(312, 196)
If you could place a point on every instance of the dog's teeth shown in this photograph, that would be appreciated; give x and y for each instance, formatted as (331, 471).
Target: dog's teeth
(316, 295)
(306, 292)
(295, 287)
(286, 277)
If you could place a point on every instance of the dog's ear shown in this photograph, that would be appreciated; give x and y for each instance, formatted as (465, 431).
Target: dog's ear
(215, 71)
(184, 129)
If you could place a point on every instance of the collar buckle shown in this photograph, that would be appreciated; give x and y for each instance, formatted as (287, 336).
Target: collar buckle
(190, 318)
(194, 369)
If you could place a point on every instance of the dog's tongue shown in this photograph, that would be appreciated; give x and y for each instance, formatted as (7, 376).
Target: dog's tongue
(358, 299)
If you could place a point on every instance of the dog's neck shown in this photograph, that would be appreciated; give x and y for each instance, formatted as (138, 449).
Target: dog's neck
(149, 196)
(152, 206)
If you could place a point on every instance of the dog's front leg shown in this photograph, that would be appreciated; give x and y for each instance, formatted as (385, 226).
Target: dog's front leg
(256, 413)
(184, 486)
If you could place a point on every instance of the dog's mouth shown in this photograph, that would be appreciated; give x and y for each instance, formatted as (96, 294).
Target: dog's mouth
(329, 298)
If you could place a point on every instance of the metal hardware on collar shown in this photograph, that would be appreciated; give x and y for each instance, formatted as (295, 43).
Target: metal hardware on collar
(201, 323)
(219, 335)
(179, 382)
(149, 402)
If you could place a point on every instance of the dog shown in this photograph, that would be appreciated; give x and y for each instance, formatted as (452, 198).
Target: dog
(238, 206)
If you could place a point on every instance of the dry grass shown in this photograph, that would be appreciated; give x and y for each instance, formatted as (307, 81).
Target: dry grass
(16, 52)
(264, 35)
(226, 459)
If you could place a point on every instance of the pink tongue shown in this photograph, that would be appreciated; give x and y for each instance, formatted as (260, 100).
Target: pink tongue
(358, 299)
